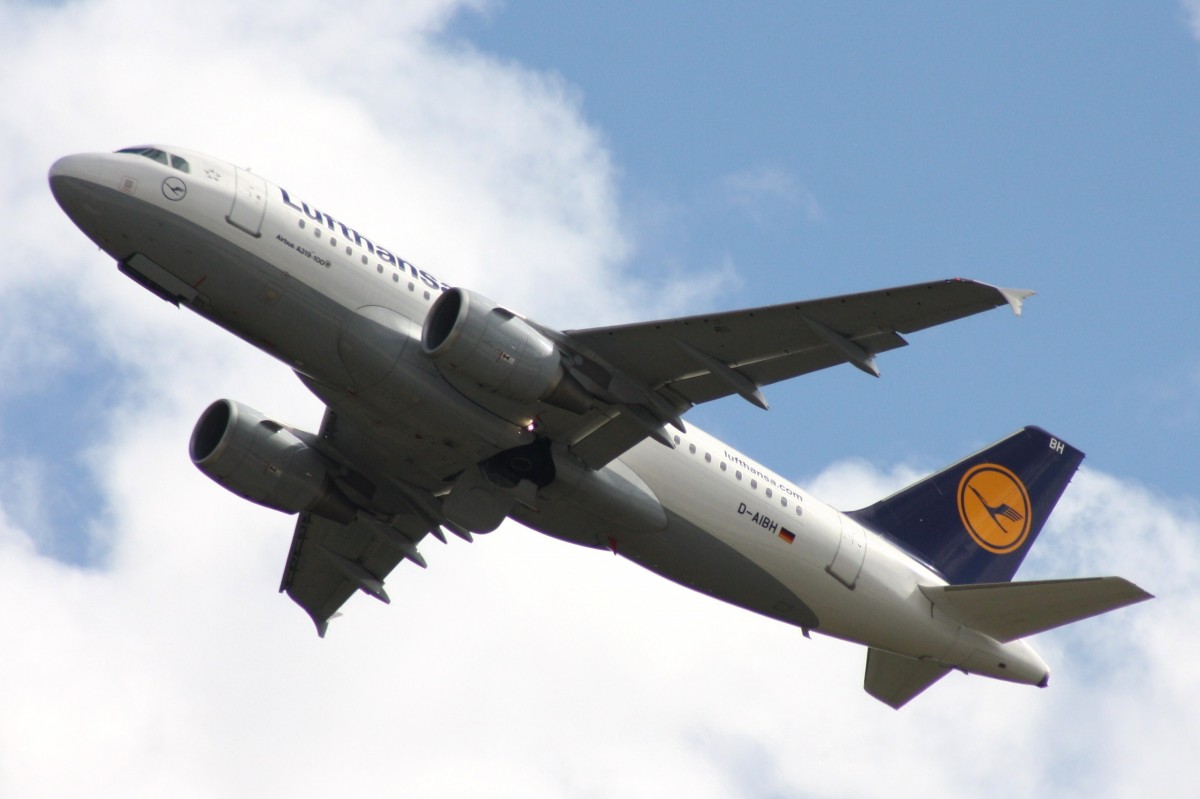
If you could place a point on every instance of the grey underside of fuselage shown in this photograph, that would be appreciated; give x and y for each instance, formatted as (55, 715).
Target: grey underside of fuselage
(688, 555)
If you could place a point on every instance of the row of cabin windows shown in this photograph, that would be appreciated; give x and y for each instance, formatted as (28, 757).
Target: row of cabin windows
(737, 473)
(174, 161)
(412, 286)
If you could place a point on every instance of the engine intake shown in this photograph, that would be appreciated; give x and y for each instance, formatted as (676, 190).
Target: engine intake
(468, 335)
(262, 461)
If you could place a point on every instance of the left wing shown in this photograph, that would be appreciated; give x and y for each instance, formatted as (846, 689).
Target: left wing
(329, 561)
(654, 371)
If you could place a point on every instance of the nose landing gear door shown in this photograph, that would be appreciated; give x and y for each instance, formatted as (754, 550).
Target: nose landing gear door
(249, 203)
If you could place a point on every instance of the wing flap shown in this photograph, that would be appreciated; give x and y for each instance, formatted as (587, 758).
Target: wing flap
(705, 387)
(754, 336)
(695, 359)
(1007, 611)
(608, 441)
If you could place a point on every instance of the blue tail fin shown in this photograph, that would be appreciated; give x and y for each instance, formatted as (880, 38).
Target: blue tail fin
(975, 521)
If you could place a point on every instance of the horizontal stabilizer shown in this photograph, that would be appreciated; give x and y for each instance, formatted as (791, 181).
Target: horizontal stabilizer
(895, 679)
(1007, 611)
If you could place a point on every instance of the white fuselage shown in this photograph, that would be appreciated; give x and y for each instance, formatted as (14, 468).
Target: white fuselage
(285, 276)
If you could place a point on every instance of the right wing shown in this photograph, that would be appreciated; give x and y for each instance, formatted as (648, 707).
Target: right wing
(652, 372)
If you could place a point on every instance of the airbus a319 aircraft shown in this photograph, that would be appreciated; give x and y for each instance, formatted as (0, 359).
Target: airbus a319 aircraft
(446, 412)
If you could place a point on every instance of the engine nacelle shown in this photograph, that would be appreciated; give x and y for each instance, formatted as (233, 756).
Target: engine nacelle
(468, 335)
(263, 461)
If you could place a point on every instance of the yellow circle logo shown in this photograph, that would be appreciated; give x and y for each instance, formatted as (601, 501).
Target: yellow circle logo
(994, 507)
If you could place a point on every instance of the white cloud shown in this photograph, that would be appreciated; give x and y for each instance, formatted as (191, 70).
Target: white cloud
(762, 190)
(1191, 8)
(854, 483)
(522, 666)
(514, 666)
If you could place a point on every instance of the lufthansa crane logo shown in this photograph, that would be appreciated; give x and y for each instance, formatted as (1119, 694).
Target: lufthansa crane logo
(174, 189)
(994, 507)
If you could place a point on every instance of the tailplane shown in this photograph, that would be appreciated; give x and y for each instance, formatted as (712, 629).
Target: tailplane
(1008, 611)
(1003, 611)
(975, 521)
(896, 679)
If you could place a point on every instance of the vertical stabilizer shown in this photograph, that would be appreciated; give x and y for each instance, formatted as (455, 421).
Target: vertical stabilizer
(975, 521)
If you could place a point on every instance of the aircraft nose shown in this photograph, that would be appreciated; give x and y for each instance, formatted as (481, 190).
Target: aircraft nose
(63, 167)
(73, 179)
(78, 167)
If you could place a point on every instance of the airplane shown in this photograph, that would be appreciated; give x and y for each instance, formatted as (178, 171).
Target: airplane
(448, 413)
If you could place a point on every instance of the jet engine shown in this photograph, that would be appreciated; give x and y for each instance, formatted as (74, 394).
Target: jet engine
(262, 461)
(468, 335)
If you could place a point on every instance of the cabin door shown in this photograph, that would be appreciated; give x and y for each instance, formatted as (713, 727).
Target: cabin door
(249, 203)
(851, 551)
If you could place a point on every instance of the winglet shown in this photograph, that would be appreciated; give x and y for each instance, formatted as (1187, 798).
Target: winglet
(1015, 298)
(315, 615)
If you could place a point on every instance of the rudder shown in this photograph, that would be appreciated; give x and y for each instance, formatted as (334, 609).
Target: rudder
(975, 521)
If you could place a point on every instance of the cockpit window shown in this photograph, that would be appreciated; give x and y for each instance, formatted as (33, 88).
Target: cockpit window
(154, 154)
(150, 152)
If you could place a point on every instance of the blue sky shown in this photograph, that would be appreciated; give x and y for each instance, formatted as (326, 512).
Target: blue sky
(1030, 145)
(592, 164)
